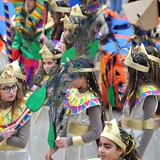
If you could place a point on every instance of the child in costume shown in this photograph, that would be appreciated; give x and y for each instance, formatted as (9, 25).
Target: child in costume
(29, 25)
(115, 143)
(48, 69)
(82, 104)
(58, 9)
(15, 130)
(140, 101)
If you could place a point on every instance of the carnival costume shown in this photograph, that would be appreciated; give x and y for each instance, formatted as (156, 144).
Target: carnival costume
(133, 121)
(40, 128)
(29, 28)
(8, 149)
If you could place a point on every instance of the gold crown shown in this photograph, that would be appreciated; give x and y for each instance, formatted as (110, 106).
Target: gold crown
(47, 54)
(76, 11)
(111, 131)
(142, 49)
(67, 23)
(129, 62)
(55, 8)
(8, 76)
(17, 70)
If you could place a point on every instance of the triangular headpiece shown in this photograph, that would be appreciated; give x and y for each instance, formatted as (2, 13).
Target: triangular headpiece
(55, 8)
(8, 76)
(142, 13)
(46, 53)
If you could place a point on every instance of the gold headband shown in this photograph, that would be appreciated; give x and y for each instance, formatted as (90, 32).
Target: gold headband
(142, 49)
(47, 54)
(129, 62)
(67, 23)
(17, 70)
(76, 11)
(111, 131)
(55, 8)
(8, 76)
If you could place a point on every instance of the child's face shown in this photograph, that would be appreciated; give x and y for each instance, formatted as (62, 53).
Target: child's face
(48, 64)
(68, 34)
(79, 82)
(30, 4)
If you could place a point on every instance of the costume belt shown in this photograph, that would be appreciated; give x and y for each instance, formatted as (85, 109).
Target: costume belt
(77, 129)
(138, 124)
(5, 147)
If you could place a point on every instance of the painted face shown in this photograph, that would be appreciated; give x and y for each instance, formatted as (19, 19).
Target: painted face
(8, 91)
(30, 4)
(79, 82)
(108, 150)
(48, 64)
(68, 34)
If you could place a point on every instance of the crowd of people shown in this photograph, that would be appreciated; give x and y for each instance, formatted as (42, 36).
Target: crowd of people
(51, 104)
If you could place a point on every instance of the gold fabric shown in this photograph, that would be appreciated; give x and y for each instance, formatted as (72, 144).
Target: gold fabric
(77, 129)
(77, 140)
(138, 124)
(5, 147)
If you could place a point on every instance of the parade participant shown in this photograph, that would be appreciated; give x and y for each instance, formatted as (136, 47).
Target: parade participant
(82, 104)
(29, 25)
(140, 94)
(13, 137)
(49, 68)
(115, 143)
(57, 9)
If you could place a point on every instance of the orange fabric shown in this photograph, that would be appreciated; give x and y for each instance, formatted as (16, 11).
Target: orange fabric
(118, 66)
(112, 13)
(1, 45)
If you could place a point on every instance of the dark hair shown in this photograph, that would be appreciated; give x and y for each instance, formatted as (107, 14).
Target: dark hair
(58, 28)
(41, 72)
(154, 66)
(130, 153)
(139, 78)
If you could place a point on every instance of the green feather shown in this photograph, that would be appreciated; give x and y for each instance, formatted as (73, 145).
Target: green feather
(51, 136)
(36, 100)
(111, 96)
(35, 51)
(70, 54)
(93, 49)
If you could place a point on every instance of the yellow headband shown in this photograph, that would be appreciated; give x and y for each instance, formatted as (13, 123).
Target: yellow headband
(47, 54)
(8, 76)
(111, 131)
(129, 62)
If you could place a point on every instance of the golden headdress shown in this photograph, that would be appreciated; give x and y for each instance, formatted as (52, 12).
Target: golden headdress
(111, 131)
(46, 53)
(129, 62)
(17, 70)
(8, 76)
(56, 8)
(142, 49)
(67, 23)
(76, 11)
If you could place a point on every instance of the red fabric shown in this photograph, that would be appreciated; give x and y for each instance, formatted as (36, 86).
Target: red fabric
(15, 54)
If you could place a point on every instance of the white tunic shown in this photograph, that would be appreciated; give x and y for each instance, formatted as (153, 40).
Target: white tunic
(79, 152)
(152, 150)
